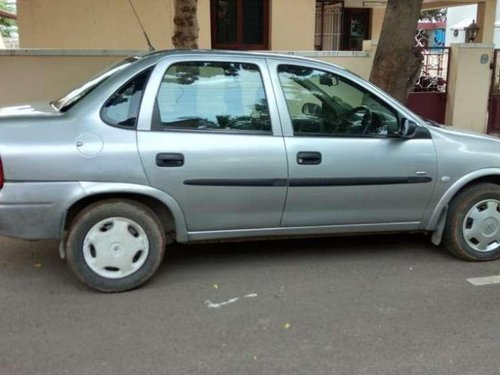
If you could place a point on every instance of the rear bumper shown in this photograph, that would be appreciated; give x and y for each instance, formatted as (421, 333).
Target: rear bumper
(35, 210)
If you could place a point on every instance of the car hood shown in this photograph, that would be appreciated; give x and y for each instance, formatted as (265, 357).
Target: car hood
(37, 109)
(464, 134)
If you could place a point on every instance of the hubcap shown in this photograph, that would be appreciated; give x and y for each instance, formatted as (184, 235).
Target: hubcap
(481, 226)
(115, 247)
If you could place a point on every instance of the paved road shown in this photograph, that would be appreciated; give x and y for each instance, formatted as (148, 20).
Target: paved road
(353, 305)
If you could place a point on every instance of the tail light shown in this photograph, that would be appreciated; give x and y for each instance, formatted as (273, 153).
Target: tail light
(1, 174)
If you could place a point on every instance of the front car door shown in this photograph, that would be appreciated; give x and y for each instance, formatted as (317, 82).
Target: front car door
(210, 137)
(344, 168)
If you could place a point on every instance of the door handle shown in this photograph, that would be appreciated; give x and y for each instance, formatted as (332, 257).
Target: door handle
(309, 158)
(169, 160)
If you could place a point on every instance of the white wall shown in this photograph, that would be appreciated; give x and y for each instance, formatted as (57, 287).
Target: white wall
(458, 14)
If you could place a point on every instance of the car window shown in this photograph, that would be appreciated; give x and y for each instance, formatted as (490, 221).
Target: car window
(122, 108)
(322, 103)
(212, 96)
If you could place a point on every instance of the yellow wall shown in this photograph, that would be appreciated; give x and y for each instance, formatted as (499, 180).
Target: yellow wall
(362, 66)
(110, 24)
(486, 20)
(292, 25)
(33, 78)
(102, 24)
(377, 21)
(468, 86)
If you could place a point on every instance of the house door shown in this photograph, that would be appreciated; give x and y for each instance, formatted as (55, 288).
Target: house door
(356, 28)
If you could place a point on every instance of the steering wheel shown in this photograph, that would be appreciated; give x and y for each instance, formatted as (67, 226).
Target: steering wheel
(365, 122)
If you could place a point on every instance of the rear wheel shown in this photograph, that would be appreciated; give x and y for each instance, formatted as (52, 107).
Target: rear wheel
(472, 229)
(115, 245)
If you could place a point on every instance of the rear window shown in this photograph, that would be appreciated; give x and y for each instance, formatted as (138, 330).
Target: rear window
(122, 108)
(74, 96)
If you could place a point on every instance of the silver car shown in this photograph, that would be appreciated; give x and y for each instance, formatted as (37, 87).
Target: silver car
(195, 146)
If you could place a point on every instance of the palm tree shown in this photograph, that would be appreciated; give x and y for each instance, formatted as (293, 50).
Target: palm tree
(185, 24)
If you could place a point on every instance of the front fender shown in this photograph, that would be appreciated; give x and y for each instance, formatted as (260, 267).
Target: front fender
(434, 220)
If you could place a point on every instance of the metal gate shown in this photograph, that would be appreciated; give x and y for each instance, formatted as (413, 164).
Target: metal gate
(428, 98)
(328, 34)
(494, 102)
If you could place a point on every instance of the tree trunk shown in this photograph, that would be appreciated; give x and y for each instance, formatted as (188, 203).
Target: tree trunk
(398, 62)
(185, 24)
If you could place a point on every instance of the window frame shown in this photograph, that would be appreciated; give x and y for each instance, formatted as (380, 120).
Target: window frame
(147, 114)
(103, 117)
(239, 44)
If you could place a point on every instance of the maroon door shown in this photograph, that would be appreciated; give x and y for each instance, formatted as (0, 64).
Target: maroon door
(494, 104)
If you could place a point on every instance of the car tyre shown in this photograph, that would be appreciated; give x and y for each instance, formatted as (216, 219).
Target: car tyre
(115, 245)
(472, 230)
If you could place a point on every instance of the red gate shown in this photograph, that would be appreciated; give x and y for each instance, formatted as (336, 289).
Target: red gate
(494, 104)
(428, 98)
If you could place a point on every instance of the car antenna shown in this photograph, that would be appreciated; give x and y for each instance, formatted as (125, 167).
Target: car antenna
(151, 48)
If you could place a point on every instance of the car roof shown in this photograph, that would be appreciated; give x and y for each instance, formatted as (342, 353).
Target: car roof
(158, 55)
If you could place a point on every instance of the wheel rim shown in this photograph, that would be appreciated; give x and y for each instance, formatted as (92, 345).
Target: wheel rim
(115, 247)
(481, 226)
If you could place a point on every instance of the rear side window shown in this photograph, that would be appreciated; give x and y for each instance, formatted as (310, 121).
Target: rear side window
(122, 108)
(212, 96)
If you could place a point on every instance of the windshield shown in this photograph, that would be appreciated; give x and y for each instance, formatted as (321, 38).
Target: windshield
(75, 95)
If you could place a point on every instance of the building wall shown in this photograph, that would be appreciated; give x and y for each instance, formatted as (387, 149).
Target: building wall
(468, 86)
(101, 24)
(292, 27)
(34, 77)
(111, 24)
(377, 22)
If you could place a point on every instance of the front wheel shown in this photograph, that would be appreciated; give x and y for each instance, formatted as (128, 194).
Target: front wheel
(115, 245)
(472, 230)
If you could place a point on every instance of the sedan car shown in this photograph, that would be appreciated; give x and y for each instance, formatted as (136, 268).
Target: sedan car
(201, 145)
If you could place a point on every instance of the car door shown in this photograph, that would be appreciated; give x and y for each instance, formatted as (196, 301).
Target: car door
(210, 137)
(344, 167)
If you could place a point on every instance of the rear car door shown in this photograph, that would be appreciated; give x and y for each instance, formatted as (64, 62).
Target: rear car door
(210, 137)
(345, 169)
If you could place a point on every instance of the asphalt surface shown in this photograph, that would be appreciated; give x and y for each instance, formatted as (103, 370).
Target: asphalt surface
(350, 305)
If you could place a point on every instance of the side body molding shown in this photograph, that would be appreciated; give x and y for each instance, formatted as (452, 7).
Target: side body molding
(434, 221)
(96, 188)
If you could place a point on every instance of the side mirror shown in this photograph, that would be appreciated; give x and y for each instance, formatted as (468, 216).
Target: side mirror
(407, 129)
(311, 109)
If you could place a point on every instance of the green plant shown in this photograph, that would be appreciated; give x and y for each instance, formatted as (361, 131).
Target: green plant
(7, 26)
(434, 15)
